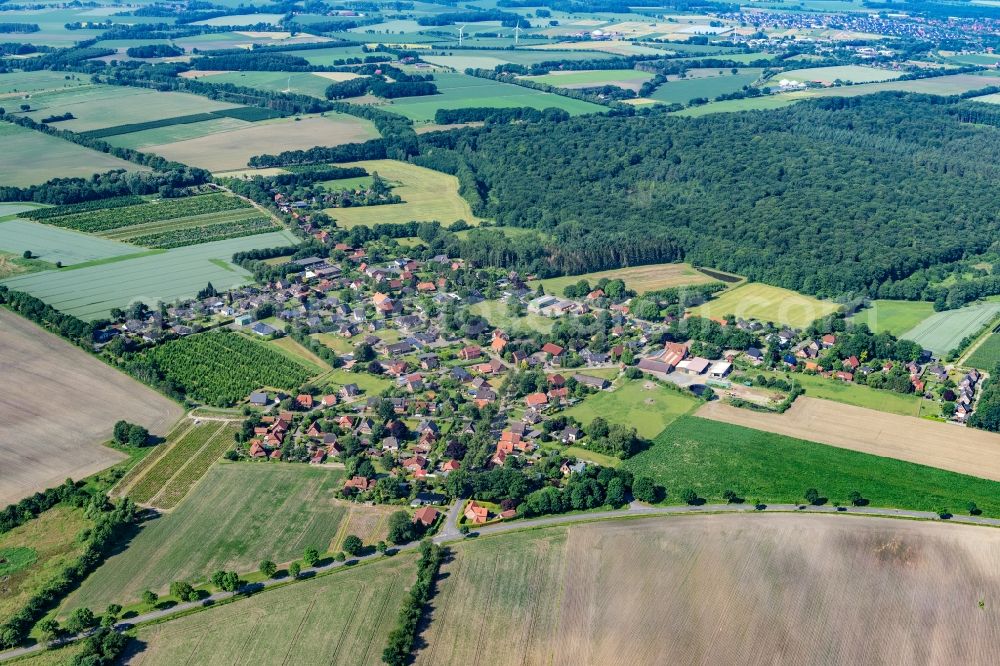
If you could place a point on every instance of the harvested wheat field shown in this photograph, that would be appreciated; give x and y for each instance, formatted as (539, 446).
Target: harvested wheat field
(951, 447)
(724, 589)
(58, 406)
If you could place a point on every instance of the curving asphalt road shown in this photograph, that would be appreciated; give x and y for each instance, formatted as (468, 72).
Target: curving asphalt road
(450, 533)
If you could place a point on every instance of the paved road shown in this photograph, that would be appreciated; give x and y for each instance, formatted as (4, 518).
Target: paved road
(450, 533)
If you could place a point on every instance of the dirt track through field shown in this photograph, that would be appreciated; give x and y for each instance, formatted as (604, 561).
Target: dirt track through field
(950, 447)
(57, 407)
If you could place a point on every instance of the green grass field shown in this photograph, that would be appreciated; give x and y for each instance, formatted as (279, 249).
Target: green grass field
(91, 292)
(53, 244)
(174, 133)
(987, 355)
(684, 90)
(766, 303)
(427, 195)
(31, 158)
(827, 75)
(710, 457)
(338, 377)
(982, 59)
(942, 331)
(341, 618)
(52, 537)
(166, 470)
(30, 82)
(303, 83)
(896, 317)
(854, 394)
(100, 106)
(238, 515)
(639, 278)
(286, 346)
(458, 91)
(496, 313)
(639, 403)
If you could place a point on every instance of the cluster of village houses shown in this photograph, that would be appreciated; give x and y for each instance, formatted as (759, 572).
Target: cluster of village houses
(421, 358)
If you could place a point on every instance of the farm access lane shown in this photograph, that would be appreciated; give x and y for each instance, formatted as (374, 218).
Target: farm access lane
(450, 533)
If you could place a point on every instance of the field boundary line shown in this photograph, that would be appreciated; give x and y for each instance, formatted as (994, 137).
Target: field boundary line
(298, 630)
(343, 632)
(166, 484)
(445, 606)
(149, 462)
(381, 612)
(489, 602)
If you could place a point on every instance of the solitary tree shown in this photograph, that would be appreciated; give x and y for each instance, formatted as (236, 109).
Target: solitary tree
(149, 598)
(268, 568)
(183, 591)
(294, 569)
(27, 254)
(310, 557)
(812, 496)
(856, 498)
(353, 544)
(689, 496)
(49, 629)
(110, 616)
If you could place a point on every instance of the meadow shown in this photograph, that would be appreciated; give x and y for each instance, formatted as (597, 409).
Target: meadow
(942, 331)
(52, 244)
(92, 290)
(228, 150)
(683, 91)
(641, 279)
(240, 514)
(427, 195)
(583, 594)
(338, 377)
(987, 355)
(711, 456)
(299, 354)
(852, 394)
(896, 317)
(341, 618)
(496, 313)
(845, 73)
(638, 403)
(54, 425)
(458, 91)
(768, 304)
(31, 158)
(32, 82)
(51, 538)
(102, 106)
(303, 83)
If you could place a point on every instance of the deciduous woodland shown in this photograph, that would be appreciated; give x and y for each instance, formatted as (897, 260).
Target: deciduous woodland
(827, 197)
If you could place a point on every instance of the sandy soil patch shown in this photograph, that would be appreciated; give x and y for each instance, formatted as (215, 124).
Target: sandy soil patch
(59, 406)
(942, 445)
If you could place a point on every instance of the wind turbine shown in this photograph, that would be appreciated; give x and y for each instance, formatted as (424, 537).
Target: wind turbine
(288, 86)
(461, 31)
(517, 32)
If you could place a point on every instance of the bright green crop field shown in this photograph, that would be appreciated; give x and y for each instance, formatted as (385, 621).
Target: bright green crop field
(896, 317)
(458, 91)
(710, 457)
(93, 289)
(987, 355)
(238, 515)
(710, 87)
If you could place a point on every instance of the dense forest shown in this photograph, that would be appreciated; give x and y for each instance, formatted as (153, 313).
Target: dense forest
(829, 197)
